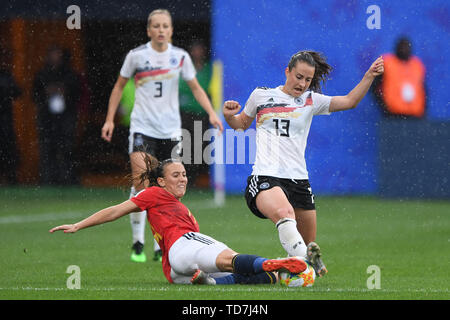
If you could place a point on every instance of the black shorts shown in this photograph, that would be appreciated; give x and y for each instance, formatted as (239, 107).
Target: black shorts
(161, 149)
(298, 192)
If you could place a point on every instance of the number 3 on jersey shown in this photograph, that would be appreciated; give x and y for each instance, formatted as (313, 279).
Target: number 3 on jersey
(158, 90)
(282, 127)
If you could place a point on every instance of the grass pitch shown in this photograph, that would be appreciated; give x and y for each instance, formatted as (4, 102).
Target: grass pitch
(407, 241)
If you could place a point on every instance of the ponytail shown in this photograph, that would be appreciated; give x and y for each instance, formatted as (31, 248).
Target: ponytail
(154, 170)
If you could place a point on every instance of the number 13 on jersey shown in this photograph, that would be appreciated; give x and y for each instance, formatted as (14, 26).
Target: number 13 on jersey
(282, 127)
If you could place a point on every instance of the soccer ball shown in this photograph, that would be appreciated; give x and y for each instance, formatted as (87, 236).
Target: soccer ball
(302, 279)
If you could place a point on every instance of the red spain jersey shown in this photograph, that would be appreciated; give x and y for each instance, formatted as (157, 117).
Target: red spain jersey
(168, 217)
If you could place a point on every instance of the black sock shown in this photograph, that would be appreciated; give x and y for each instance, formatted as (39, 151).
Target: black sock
(247, 264)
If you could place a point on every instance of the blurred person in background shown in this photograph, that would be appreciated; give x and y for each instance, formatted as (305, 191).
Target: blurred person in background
(401, 90)
(56, 92)
(9, 90)
(193, 116)
(155, 124)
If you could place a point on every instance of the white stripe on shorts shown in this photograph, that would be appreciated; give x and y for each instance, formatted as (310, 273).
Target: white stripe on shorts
(253, 188)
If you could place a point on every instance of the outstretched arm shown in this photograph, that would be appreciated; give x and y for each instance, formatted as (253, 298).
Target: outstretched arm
(351, 100)
(102, 216)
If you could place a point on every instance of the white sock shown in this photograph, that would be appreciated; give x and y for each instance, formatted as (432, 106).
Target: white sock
(290, 238)
(156, 245)
(137, 220)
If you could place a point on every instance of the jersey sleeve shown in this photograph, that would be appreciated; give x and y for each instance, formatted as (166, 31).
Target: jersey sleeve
(188, 71)
(128, 69)
(251, 105)
(321, 103)
(144, 199)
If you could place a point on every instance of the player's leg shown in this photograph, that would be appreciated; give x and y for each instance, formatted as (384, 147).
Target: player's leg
(199, 256)
(306, 224)
(195, 251)
(137, 219)
(253, 269)
(306, 217)
(274, 205)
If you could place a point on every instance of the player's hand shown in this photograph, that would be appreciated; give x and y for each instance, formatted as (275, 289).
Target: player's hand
(230, 108)
(215, 121)
(67, 228)
(377, 68)
(107, 130)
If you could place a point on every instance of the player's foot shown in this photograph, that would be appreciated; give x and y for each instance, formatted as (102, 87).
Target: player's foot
(313, 255)
(157, 256)
(201, 277)
(138, 254)
(290, 264)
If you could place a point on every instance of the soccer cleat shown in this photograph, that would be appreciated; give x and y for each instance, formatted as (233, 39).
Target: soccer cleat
(138, 254)
(290, 264)
(313, 255)
(200, 277)
(157, 256)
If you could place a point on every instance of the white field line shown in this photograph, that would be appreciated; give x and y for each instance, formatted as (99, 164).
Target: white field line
(187, 288)
(51, 216)
(41, 217)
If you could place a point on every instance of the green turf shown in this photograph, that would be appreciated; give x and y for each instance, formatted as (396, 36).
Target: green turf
(408, 240)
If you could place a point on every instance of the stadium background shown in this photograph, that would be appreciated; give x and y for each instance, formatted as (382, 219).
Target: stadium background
(353, 152)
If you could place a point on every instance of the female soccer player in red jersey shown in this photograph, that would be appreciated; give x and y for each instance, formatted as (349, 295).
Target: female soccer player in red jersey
(155, 124)
(188, 255)
(278, 187)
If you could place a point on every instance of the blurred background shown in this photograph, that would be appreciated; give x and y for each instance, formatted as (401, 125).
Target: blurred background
(365, 151)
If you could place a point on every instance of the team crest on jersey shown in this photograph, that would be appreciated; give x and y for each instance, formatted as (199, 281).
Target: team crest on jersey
(308, 102)
(173, 61)
(264, 185)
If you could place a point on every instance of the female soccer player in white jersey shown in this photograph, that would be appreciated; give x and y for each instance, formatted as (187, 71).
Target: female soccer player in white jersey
(155, 125)
(278, 188)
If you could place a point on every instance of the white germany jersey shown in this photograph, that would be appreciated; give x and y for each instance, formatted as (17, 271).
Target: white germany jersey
(156, 75)
(282, 127)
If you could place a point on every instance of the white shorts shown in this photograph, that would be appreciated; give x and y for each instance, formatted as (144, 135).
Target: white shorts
(193, 251)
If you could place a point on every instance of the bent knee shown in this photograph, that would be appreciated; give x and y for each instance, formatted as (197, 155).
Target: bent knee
(224, 260)
(283, 213)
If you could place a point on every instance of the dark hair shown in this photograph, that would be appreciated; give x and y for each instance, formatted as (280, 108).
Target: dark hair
(154, 169)
(316, 60)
